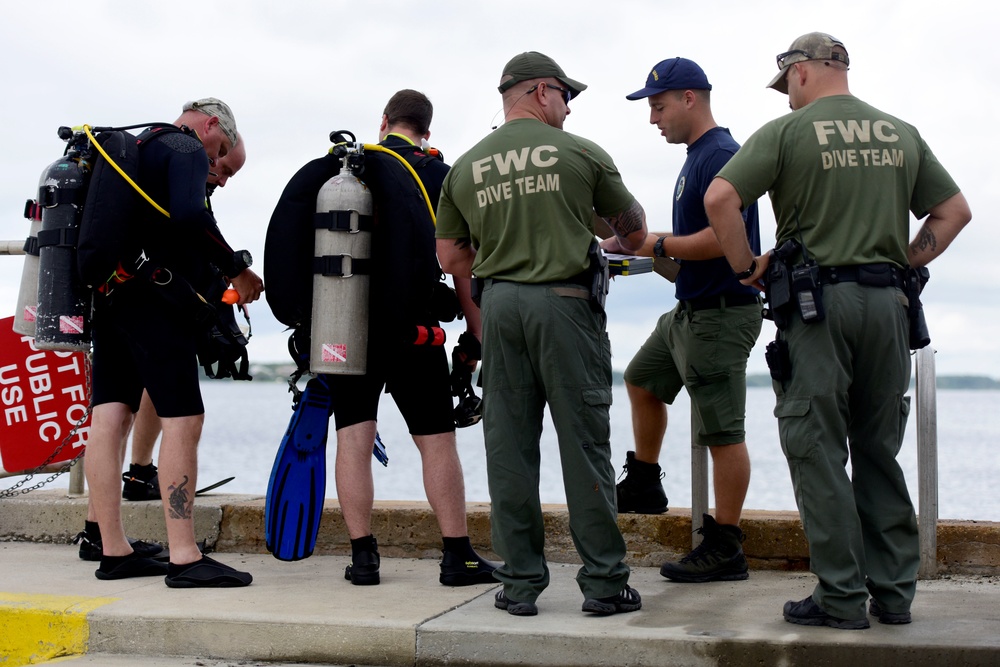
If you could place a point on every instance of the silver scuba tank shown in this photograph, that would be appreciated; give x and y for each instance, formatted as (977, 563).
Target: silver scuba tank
(341, 272)
(27, 295)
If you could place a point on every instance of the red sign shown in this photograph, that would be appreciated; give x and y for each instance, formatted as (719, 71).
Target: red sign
(43, 394)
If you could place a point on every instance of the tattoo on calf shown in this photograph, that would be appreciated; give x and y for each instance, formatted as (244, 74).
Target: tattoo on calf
(180, 502)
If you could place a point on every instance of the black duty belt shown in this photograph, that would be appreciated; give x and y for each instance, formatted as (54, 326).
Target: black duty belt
(872, 275)
(583, 279)
(719, 301)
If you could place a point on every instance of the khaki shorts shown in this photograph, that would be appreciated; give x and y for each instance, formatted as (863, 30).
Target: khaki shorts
(705, 351)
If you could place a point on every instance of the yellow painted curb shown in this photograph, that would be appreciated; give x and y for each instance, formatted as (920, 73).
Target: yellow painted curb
(36, 628)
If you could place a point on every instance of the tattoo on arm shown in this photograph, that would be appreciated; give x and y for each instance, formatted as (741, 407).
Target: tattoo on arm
(628, 221)
(925, 242)
(463, 243)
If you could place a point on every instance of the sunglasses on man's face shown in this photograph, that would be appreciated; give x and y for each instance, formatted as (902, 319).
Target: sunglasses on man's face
(567, 94)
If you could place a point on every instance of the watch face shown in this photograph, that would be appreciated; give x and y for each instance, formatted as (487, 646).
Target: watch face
(245, 257)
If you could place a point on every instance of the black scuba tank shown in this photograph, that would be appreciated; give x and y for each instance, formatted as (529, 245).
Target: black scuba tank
(64, 303)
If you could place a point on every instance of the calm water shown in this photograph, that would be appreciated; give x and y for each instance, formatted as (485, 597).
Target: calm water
(245, 423)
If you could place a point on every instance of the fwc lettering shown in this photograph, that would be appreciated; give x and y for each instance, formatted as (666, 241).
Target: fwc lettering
(516, 162)
(861, 132)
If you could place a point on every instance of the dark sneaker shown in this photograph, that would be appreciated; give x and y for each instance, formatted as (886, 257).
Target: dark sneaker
(888, 617)
(807, 612)
(641, 491)
(133, 565)
(91, 549)
(141, 483)
(363, 570)
(719, 557)
(626, 601)
(206, 573)
(458, 571)
(513, 607)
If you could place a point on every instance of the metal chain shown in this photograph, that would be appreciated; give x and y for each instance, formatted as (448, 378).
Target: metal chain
(16, 490)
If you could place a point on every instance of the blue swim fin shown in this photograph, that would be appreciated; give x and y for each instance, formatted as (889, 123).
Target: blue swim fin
(297, 488)
(378, 450)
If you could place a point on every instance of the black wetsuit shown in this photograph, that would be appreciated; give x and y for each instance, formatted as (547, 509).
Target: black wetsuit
(145, 335)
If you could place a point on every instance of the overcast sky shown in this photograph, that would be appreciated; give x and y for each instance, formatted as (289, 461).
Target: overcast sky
(293, 71)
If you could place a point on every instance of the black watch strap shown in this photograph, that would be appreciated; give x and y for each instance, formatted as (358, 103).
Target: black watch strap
(658, 247)
(242, 260)
(743, 275)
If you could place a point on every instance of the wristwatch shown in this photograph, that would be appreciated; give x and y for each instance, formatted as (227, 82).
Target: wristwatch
(658, 247)
(242, 259)
(743, 275)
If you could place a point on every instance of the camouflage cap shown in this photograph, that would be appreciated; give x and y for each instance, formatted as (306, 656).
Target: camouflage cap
(211, 106)
(534, 65)
(812, 46)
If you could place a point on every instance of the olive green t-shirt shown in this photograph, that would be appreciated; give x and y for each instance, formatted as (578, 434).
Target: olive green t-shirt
(526, 196)
(842, 177)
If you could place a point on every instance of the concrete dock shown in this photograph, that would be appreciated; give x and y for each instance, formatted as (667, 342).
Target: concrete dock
(305, 612)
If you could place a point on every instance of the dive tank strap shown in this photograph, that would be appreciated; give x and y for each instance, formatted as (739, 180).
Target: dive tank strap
(343, 266)
(340, 221)
(63, 237)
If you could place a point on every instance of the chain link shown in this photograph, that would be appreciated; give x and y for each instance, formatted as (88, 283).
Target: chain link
(16, 490)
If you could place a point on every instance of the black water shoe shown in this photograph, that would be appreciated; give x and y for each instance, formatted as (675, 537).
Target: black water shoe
(206, 573)
(125, 567)
(91, 547)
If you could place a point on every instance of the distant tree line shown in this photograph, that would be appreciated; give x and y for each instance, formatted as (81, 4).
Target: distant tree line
(280, 373)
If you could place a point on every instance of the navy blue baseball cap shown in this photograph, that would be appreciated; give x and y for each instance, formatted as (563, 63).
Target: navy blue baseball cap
(673, 74)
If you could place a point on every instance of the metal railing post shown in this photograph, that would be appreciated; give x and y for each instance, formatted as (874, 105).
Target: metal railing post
(699, 484)
(76, 475)
(12, 247)
(77, 479)
(927, 461)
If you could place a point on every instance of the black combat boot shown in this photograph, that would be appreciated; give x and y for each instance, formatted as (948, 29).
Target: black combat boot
(365, 561)
(141, 483)
(641, 491)
(719, 557)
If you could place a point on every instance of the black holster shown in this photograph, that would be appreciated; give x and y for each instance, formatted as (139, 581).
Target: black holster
(600, 277)
(779, 361)
(920, 337)
(476, 290)
(778, 286)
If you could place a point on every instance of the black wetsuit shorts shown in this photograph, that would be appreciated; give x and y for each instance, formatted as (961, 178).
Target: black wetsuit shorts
(139, 342)
(416, 377)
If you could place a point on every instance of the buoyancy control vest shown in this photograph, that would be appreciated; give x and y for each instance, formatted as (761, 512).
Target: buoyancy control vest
(109, 245)
(86, 211)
